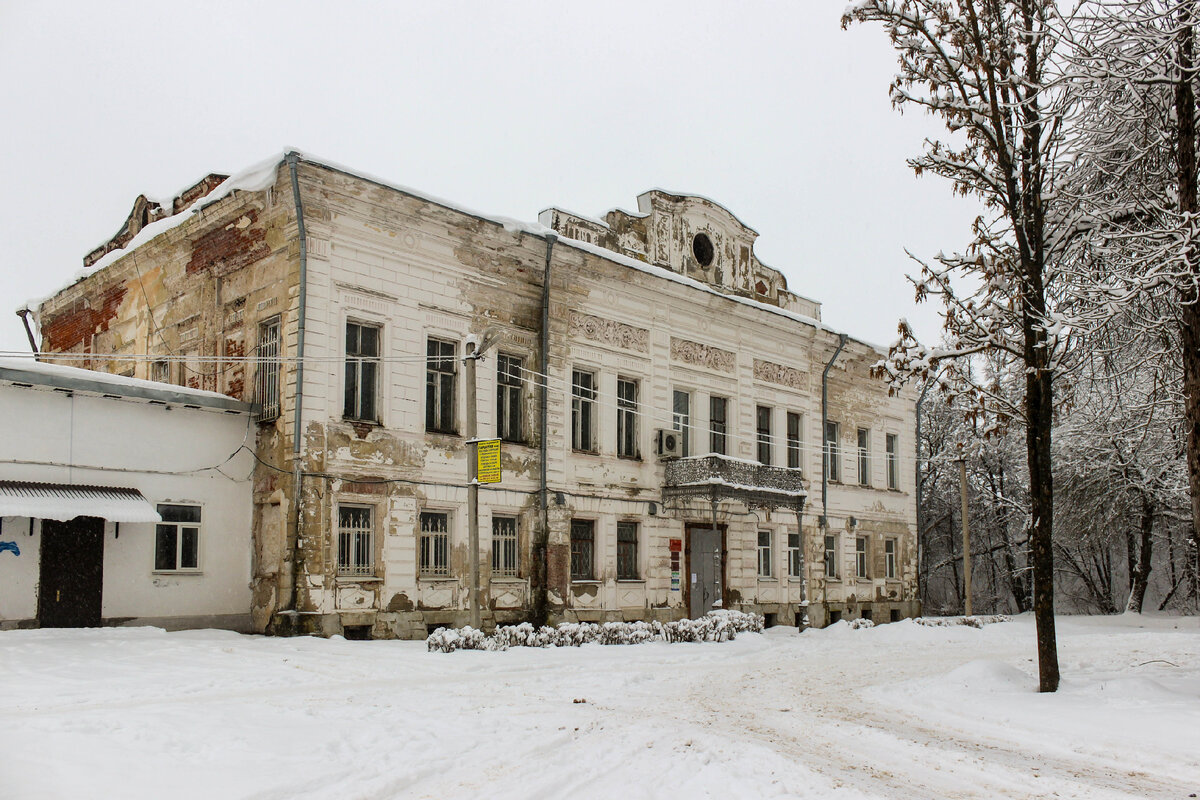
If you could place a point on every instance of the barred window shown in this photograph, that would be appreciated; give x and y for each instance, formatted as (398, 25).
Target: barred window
(356, 551)
(362, 371)
(627, 551)
(583, 549)
(793, 440)
(763, 415)
(439, 386)
(267, 377)
(435, 544)
(583, 402)
(627, 418)
(764, 554)
(508, 398)
(504, 546)
(718, 426)
(794, 555)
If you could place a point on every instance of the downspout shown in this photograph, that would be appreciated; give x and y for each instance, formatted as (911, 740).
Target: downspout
(297, 434)
(825, 449)
(541, 565)
(24, 315)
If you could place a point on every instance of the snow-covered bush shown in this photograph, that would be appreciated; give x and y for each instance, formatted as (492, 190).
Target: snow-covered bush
(974, 621)
(861, 622)
(716, 626)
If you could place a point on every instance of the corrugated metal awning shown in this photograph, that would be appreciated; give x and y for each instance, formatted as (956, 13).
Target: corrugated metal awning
(62, 501)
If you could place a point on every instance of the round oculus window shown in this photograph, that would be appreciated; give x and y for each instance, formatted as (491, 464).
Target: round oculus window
(702, 249)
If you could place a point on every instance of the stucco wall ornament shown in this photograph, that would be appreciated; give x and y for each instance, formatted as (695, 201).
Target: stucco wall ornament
(703, 355)
(618, 334)
(777, 373)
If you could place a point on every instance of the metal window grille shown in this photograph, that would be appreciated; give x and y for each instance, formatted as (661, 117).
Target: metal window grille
(717, 424)
(356, 550)
(440, 370)
(435, 544)
(681, 419)
(267, 376)
(177, 538)
(763, 417)
(889, 558)
(864, 460)
(860, 556)
(508, 398)
(764, 554)
(362, 371)
(793, 540)
(583, 548)
(627, 418)
(627, 551)
(893, 463)
(583, 401)
(504, 546)
(793, 440)
(830, 556)
(831, 456)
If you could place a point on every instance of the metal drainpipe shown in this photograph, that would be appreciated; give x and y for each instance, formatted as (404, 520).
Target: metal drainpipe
(297, 433)
(541, 547)
(24, 315)
(824, 426)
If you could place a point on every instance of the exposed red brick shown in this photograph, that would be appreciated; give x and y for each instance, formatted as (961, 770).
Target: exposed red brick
(229, 248)
(75, 326)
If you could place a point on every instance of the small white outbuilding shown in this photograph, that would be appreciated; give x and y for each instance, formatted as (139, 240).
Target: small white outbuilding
(122, 501)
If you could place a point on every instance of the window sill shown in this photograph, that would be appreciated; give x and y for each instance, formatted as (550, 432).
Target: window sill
(508, 579)
(451, 434)
(585, 452)
(638, 581)
(357, 579)
(795, 579)
(437, 579)
(585, 582)
(177, 572)
(629, 458)
(374, 423)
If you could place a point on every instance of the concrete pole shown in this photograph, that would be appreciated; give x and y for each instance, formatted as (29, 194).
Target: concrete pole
(472, 483)
(966, 526)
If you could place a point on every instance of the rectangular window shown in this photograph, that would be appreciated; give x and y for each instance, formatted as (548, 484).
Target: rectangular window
(435, 544)
(681, 419)
(627, 418)
(893, 462)
(864, 457)
(508, 398)
(793, 440)
(764, 554)
(177, 538)
(831, 456)
(718, 425)
(583, 549)
(831, 557)
(267, 375)
(860, 557)
(793, 555)
(763, 417)
(504, 546)
(356, 551)
(362, 371)
(160, 371)
(627, 551)
(889, 558)
(583, 410)
(440, 371)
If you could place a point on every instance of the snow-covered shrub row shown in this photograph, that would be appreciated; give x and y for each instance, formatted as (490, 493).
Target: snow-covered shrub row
(861, 622)
(715, 626)
(975, 621)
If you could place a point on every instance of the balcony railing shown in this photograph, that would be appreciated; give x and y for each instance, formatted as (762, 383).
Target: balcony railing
(715, 477)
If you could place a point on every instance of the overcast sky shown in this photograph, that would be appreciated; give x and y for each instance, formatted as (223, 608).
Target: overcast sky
(768, 108)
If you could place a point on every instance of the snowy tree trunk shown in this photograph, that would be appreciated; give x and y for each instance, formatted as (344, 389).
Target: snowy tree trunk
(1139, 574)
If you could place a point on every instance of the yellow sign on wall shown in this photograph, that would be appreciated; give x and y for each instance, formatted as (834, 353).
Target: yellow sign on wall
(487, 460)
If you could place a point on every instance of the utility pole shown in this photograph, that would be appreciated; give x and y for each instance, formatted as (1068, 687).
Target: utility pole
(474, 353)
(966, 526)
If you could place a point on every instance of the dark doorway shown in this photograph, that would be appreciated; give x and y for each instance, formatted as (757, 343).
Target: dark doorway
(706, 568)
(72, 573)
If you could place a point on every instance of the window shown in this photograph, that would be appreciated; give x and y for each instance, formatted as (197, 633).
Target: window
(893, 463)
(362, 371)
(583, 549)
(831, 454)
(718, 426)
(583, 407)
(764, 554)
(889, 558)
(504, 546)
(160, 371)
(439, 386)
(356, 552)
(177, 538)
(267, 377)
(627, 551)
(831, 557)
(681, 419)
(793, 440)
(435, 544)
(508, 398)
(793, 555)
(864, 459)
(860, 557)
(627, 418)
(763, 415)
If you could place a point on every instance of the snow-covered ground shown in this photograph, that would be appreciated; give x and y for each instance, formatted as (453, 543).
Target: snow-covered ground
(897, 711)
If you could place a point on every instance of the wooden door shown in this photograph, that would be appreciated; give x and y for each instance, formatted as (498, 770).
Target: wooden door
(71, 578)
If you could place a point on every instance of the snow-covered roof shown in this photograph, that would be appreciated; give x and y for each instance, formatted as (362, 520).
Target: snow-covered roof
(60, 501)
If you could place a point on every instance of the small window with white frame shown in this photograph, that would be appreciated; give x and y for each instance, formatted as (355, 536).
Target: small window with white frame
(509, 387)
(435, 544)
(765, 559)
(793, 440)
(762, 415)
(893, 461)
(441, 370)
(504, 546)
(356, 540)
(362, 372)
(860, 557)
(832, 457)
(681, 419)
(627, 418)
(889, 558)
(794, 559)
(718, 424)
(831, 550)
(864, 457)
(177, 538)
(583, 410)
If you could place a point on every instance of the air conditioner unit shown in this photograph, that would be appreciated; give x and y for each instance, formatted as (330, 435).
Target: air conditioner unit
(668, 443)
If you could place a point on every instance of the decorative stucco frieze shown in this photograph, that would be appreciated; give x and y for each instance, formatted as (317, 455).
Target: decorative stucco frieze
(777, 373)
(617, 334)
(703, 355)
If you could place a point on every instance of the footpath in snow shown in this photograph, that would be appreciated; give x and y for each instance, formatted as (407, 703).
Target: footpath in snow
(896, 711)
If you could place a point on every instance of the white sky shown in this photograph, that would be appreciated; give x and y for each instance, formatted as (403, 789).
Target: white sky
(768, 108)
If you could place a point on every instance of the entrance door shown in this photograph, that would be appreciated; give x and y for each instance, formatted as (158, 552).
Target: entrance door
(706, 569)
(72, 573)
